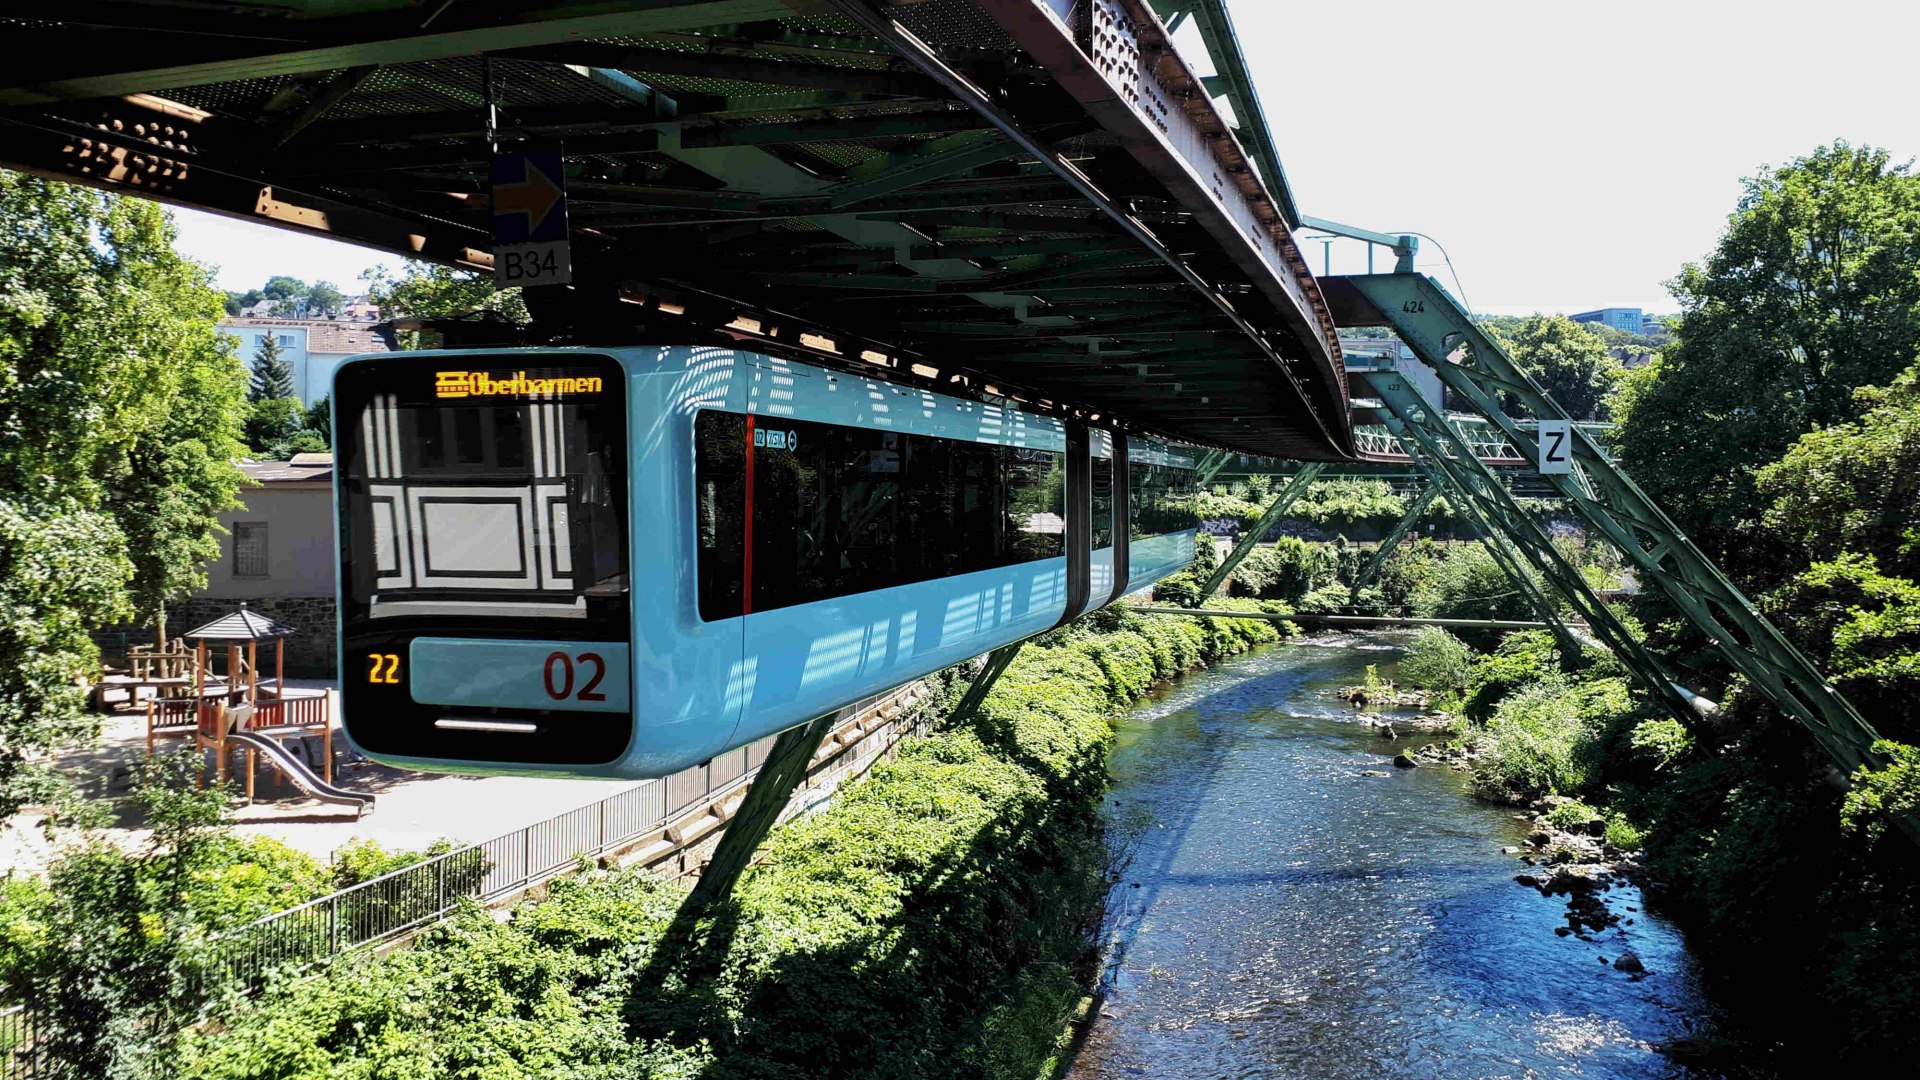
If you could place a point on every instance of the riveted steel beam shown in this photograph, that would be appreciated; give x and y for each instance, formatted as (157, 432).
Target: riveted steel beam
(384, 33)
(1434, 326)
(1282, 502)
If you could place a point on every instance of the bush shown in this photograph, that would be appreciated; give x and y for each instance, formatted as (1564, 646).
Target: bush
(1623, 835)
(1662, 741)
(1437, 661)
(936, 920)
(1571, 815)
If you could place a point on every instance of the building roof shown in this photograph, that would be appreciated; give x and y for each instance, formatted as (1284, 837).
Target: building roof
(328, 336)
(304, 468)
(242, 625)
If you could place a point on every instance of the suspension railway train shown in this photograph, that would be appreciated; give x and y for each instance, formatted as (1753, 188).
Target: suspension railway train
(618, 563)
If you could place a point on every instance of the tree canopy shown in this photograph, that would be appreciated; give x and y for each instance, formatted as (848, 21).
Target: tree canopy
(1567, 359)
(119, 421)
(1810, 293)
(272, 376)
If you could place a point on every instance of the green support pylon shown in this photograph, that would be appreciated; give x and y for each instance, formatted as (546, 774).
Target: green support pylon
(1411, 417)
(1210, 465)
(1435, 327)
(1396, 536)
(1505, 555)
(997, 662)
(1295, 488)
(773, 787)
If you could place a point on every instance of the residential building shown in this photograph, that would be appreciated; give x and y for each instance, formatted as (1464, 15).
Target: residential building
(1629, 319)
(277, 554)
(312, 347)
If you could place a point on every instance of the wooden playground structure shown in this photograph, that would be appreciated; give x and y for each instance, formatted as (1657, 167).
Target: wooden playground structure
(228, 706)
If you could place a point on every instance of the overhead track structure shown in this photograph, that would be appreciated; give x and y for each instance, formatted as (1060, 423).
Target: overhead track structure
(1478, 374)
(1034, 198)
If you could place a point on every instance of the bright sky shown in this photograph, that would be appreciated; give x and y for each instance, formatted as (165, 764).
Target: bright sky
(1568, 156)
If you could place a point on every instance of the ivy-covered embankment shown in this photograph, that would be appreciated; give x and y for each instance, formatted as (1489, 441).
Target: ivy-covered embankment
(936, 921)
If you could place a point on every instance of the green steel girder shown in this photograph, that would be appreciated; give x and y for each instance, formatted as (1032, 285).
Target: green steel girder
(1504, 552)
(1434, 326)
(1210, 465)
(1210, 17)
(1397, 535)
(351, 34)
(997, 663)
(1416, 422)
(1281, 504)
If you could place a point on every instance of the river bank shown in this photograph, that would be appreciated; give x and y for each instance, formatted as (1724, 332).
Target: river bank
(1294, 905)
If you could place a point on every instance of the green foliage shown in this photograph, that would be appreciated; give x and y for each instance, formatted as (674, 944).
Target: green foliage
(319, 420)
(1623, 835)
(1571, 815)
(433, 291)
(1880, 795)
(935, 921)
(1437, 661)
(1866, 626)
(1809, 294)
(1853, 487)
(1568, 359)
(273, 423)
(119, 417)
(1662, 740)
(323, 298)
(1469, 584)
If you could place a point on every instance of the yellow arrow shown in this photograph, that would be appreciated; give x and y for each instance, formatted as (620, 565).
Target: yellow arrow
(536, 196)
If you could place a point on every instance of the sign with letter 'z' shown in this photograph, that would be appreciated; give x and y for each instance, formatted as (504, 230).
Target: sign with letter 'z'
(530, 221)
(1556, 447)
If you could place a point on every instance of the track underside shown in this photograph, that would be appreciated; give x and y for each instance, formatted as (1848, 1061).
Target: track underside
(999, 195)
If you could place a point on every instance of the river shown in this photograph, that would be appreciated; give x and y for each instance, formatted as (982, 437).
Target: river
(1282, 915)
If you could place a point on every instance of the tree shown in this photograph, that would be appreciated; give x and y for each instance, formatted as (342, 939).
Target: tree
(433, 291)
(272, 376)
(1810, 293)
(281, 287)
(324, 298)
(320, 420)
(273, 423)
(119, 417)
(1567, 359)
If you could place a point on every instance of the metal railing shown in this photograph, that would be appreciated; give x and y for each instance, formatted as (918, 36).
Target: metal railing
(383, 908)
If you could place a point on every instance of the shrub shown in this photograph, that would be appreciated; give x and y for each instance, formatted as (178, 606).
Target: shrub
(1622, 834)
(1663, 741)
(1571, 815)
(1437, 661)
(936, 920)
(1533, 743)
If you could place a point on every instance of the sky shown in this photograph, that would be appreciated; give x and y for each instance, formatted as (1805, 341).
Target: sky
(1566, 156)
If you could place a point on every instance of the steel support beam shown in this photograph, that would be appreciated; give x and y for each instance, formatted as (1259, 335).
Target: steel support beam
(392, 36)
(1396, 536)
(1498, 545)
(1435, 327)
(1483, 489)
(997, 663)
(1282, 502)
(1262, 247)
(773, 787)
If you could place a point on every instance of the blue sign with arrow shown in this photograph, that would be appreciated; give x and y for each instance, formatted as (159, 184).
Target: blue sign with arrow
(530, 220)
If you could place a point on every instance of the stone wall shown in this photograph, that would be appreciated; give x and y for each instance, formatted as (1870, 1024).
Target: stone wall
(311, 653)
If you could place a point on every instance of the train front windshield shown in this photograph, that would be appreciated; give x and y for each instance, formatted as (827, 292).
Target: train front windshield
(483, 557)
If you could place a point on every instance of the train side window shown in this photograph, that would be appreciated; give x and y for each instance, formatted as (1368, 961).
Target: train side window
(1161, 499)
(840, 510)
(719, 477)
(1102, 498)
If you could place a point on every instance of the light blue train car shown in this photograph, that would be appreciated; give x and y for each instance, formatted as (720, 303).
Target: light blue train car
(622, 562)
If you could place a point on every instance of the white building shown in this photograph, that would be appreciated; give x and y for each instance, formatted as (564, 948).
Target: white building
(313, 347)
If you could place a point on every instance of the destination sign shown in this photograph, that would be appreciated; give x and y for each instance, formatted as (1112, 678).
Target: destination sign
(463, 384)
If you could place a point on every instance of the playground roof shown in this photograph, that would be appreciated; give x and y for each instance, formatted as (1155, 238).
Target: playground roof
(242, 625)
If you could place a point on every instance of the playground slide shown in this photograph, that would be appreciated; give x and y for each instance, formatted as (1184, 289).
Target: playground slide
(297, 771)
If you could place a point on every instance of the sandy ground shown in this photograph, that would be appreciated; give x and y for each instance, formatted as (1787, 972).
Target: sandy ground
(411, 810)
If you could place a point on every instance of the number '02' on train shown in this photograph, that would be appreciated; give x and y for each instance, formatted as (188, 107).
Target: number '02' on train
(621, 562)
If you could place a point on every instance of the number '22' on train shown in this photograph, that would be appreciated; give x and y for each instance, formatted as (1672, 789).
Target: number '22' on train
(621, 562)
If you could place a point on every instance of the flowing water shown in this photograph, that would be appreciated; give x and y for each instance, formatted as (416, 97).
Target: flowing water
(1283, 915)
